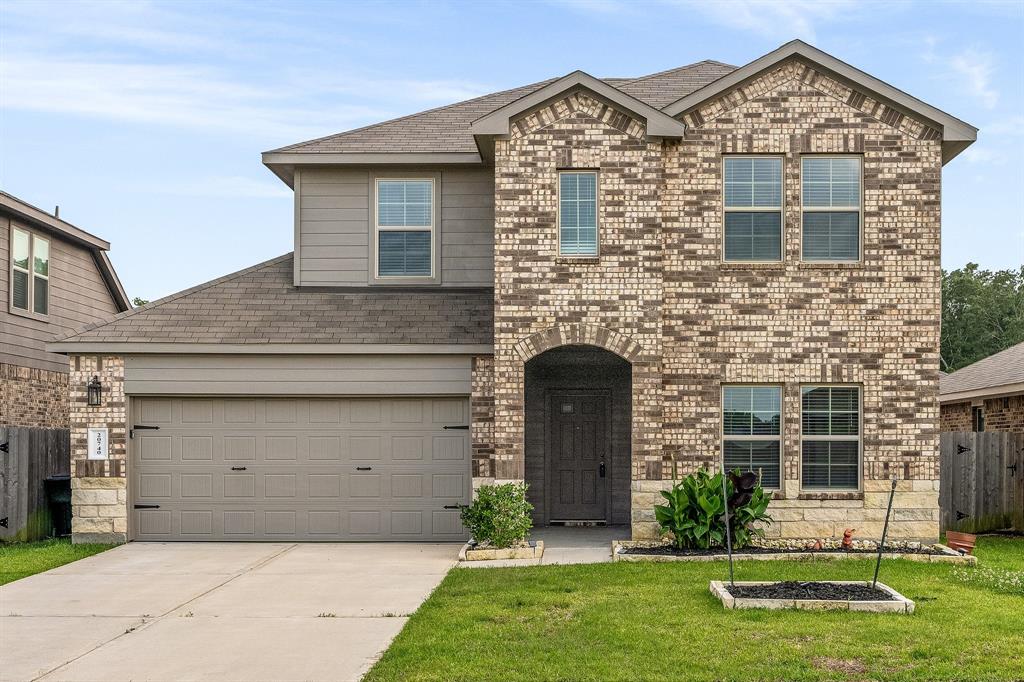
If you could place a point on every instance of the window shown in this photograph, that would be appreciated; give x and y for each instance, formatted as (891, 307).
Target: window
(831, 208)
(577, 214)
(830, 437)
(753, 208)
(30, 272)
(752, 431)
(978, 418)
(405, 228)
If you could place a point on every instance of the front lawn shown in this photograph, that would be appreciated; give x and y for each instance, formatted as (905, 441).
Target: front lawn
(22, 559)
(629, 621)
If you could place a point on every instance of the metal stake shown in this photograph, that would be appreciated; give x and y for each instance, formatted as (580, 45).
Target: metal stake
(728, 529)
(885, 531)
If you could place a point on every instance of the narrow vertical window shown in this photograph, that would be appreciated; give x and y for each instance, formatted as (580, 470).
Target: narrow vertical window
(753, 208)
(21, 254)
(577, 213)
(752, 431)
(978, 418)
(831, 208)
(830, 437)
(40, 275)
(405, 228)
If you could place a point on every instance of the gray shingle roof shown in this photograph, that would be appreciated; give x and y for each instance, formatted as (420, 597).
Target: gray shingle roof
(260, 305)
(1004, 368)
(446, 129)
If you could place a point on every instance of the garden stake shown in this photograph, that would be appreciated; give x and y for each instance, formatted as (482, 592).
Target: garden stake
(728, 530)
(885, 530)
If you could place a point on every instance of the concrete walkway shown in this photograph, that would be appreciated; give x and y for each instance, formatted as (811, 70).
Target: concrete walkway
(198, 611)
(565, 545)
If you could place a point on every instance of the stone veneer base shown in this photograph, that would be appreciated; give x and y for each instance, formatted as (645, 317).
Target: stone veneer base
(949, 555)
(899, 604)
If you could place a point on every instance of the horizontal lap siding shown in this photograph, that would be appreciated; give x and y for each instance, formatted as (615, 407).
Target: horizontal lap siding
(297, 375)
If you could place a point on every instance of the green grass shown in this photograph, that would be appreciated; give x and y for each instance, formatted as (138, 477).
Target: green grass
(21, 559)
(628, 621)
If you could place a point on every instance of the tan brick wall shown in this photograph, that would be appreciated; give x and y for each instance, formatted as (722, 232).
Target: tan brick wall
(956, 417)
(99, 502)
(1001, 414)
(33, 397)
(695, 322)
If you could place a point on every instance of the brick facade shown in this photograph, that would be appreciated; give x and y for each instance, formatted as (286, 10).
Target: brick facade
(33, 397)
(1001, 414)
(693, 323)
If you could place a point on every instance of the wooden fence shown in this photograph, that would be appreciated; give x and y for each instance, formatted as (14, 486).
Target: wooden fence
(27, 457)
(982, 481)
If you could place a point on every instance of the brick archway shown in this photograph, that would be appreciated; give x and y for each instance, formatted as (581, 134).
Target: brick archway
(579, 334)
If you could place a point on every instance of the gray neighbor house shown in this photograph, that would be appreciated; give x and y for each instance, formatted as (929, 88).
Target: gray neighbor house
(584, 284)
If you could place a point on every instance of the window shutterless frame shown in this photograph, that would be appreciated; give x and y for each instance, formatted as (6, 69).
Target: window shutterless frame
(758, 438)
(37, 299)
(859, 208)
(781, 209)
(859, 438)
(597, 213)
(433, 277)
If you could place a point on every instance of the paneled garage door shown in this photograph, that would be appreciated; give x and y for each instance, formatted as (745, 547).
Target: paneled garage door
(299, 469)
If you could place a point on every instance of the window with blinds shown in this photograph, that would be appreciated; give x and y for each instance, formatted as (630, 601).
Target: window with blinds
(405, 228)
(752, 431)
(753, 208)
(831, 194)
(577, 213)
(830, 437)
(30, 272)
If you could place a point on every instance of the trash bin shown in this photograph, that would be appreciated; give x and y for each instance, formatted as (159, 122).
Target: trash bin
(58, 497)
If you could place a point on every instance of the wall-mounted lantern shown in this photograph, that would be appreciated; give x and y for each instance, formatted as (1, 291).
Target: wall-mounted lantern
(94, 392)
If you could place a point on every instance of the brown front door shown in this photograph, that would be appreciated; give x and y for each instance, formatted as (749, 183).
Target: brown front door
(577, 456)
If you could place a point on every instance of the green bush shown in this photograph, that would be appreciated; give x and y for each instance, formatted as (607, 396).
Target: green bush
(499, 516)
(694, 515)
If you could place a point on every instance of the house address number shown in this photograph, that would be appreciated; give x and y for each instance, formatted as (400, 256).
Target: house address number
(98, 443)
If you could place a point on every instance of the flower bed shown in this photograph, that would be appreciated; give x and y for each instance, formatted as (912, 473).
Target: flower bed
(820, 596)
(790, 550)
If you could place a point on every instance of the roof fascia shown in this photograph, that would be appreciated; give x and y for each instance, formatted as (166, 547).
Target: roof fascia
(40, 218)
(113, 282)
(71, 346)
(987, 392)
(283, 164)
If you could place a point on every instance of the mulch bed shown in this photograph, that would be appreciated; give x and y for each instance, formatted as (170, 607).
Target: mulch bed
(792, 589)
(669, 550)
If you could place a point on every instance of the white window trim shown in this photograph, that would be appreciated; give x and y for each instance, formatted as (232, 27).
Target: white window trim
(834, 209)
(859, 438)
(378, 228)
(781, 210)
(597, 213)
(33, 237)
(722, 437)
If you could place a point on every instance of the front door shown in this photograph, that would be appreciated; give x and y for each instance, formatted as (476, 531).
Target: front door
(577, 456)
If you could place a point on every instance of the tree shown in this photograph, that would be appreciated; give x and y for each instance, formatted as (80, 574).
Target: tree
(139, 301)
(982, 314)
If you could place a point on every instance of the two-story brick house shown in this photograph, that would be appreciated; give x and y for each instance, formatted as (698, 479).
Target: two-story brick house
(576, 284)
(57, 278)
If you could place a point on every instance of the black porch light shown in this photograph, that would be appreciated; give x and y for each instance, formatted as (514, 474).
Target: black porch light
(94, 392)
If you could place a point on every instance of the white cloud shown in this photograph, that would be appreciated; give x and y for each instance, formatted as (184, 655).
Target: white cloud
(975, 69)
(1014, 125)
(976, 154)
(771, 18)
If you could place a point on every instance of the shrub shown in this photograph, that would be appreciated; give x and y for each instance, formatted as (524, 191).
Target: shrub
(499, 516)
(694, 515)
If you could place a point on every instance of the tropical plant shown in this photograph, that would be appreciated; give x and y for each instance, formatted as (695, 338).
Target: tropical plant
(695, 511)
(499, 516)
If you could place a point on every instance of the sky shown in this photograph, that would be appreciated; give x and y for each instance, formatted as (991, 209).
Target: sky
(144, 121)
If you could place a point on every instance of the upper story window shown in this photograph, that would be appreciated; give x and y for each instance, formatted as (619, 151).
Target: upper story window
(752, 431)
(30, 272)
(831, 208)
(577, 213)
(830, 437)
(753, 208)
(405, 228)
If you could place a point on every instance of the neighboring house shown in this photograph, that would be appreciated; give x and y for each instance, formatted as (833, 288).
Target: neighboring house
(57, 278)
(985, 396)
(575, 283)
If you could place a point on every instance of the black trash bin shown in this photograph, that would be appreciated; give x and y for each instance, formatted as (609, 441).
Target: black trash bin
(58, 496)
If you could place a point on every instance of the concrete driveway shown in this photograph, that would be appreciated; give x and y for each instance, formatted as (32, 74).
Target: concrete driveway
(197, 611)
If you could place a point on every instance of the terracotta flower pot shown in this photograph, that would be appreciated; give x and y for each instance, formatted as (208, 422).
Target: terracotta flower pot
(961, 541)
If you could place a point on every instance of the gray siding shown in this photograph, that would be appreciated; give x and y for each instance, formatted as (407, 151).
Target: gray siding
(78, 296)
(334, 231)
(297, 375)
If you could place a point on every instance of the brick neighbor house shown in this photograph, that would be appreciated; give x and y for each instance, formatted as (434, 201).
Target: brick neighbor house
(58, 278)
(575, 283)
(985, 396)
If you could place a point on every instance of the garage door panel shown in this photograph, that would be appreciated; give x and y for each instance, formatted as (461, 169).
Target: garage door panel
(302, 469)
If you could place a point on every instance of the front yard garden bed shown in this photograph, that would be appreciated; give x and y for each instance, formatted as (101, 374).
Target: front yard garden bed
(790, 550)
(829, 595)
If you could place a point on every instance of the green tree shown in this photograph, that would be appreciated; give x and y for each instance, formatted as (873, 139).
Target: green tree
(982, 314)
(139, 301)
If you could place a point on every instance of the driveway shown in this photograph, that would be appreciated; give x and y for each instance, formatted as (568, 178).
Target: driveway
(198, 611)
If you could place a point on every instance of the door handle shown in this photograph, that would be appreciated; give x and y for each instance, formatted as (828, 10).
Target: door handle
(238, 468)
(364, 468)
(601, 470)
(146, 506)
(453, 506)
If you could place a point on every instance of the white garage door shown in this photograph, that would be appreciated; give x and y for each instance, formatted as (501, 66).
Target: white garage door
(299, 469)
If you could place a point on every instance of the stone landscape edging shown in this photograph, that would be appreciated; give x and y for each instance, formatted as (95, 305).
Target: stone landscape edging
(899, 603)
(949, 556)
(535, 550)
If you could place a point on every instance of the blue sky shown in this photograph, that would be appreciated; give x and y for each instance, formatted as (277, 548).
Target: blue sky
(144, 121)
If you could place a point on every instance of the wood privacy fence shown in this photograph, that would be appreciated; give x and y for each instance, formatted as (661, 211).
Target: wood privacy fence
(29, 456)
(981, 481)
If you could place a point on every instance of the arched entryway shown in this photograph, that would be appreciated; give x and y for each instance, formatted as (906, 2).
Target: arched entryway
(577, 439)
